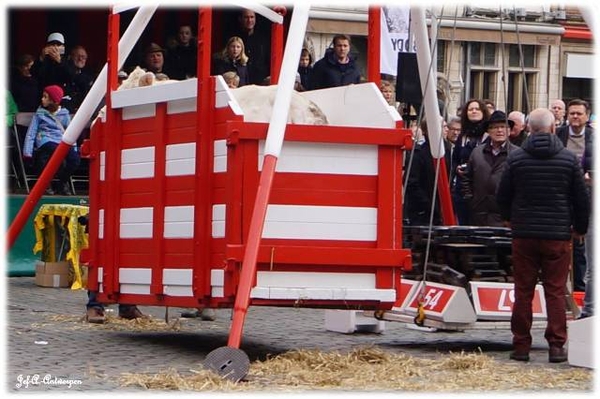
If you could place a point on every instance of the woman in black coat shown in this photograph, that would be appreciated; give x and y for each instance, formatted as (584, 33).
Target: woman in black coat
(233, 58)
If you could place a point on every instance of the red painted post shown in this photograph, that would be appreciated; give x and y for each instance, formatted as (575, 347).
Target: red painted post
(374, 43)
(36, 193)
(242, 299)
(443, 188)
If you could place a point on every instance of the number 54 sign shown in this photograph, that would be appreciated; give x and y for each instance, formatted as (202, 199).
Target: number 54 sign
(494, 301)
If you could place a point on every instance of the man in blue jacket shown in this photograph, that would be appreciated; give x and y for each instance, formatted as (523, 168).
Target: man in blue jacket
(337, 67)
(543, 198)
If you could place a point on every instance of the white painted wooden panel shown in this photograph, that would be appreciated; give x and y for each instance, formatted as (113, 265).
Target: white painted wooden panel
(181, 106)
(180, 151)
(354, 105)
(328, 158)
(220, 155)
(222, 99)
(136, 223)
(137, 170)
(157, 93)
(321, 222)
(315, 279)
(138, 289)
(259, 293)
(137, 275)
(139, 111)
(388, 295)
(137, 230)
(181, 159)
(181, 167)
(220, 84)
(385, 295)
(101, 223)
(178, 290)
(137, 163)
(217, 277)
(179, 222)
(218, 221)
(102, 165)
(177, 276)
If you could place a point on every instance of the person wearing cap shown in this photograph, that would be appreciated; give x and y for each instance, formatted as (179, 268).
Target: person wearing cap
(51, 66)
(484, 169)
(43, 136)
(154, 59)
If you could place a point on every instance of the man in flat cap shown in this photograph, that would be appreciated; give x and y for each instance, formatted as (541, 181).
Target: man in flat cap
(154, 61)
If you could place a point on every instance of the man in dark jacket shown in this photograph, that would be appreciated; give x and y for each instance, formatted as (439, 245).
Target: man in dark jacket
(51, 67)
(484, 169)
(542, 196)
(257, 46)
(421, 181)
(577, 137)
(337, 67)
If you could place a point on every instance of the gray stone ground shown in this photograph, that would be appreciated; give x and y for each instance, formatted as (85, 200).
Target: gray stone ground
(97, 356)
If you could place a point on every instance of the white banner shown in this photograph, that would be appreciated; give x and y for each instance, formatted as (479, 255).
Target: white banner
(394, 37)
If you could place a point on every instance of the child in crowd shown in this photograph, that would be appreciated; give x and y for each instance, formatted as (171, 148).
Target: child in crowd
(232, 79)
(45, 134)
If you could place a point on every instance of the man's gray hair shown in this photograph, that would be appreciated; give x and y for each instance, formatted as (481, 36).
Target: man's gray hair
(541, 120)
(517, 116)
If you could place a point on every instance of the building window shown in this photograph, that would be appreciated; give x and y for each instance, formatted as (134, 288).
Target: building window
(485, 74)
(483, 84)
(482, 54)
(482, 70)
(441, 56)
(521, 78)
(528, 56)
(519, 99)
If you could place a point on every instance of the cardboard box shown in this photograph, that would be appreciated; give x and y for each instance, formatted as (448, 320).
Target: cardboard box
(52, 274)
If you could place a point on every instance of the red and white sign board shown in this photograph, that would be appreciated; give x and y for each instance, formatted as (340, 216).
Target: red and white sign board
(407, 291)
(494, 301)
(447, 303)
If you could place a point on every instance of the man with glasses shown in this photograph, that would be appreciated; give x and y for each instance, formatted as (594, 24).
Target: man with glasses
(484, 170)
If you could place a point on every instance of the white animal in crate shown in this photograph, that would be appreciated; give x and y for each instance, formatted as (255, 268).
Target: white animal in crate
(140, 78)
(257, 103)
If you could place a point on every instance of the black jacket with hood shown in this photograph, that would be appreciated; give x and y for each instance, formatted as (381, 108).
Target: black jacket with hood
(542, 192)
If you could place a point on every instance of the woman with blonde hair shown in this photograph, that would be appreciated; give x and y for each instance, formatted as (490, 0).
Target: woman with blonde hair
(233, 58)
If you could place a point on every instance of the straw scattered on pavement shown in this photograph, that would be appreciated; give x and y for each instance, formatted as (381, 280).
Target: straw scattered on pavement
(372, 369)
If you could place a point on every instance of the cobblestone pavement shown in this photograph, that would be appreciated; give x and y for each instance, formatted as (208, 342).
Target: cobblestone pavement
(38, 344)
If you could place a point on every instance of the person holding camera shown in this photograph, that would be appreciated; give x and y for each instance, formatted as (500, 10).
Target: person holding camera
(51, 66)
